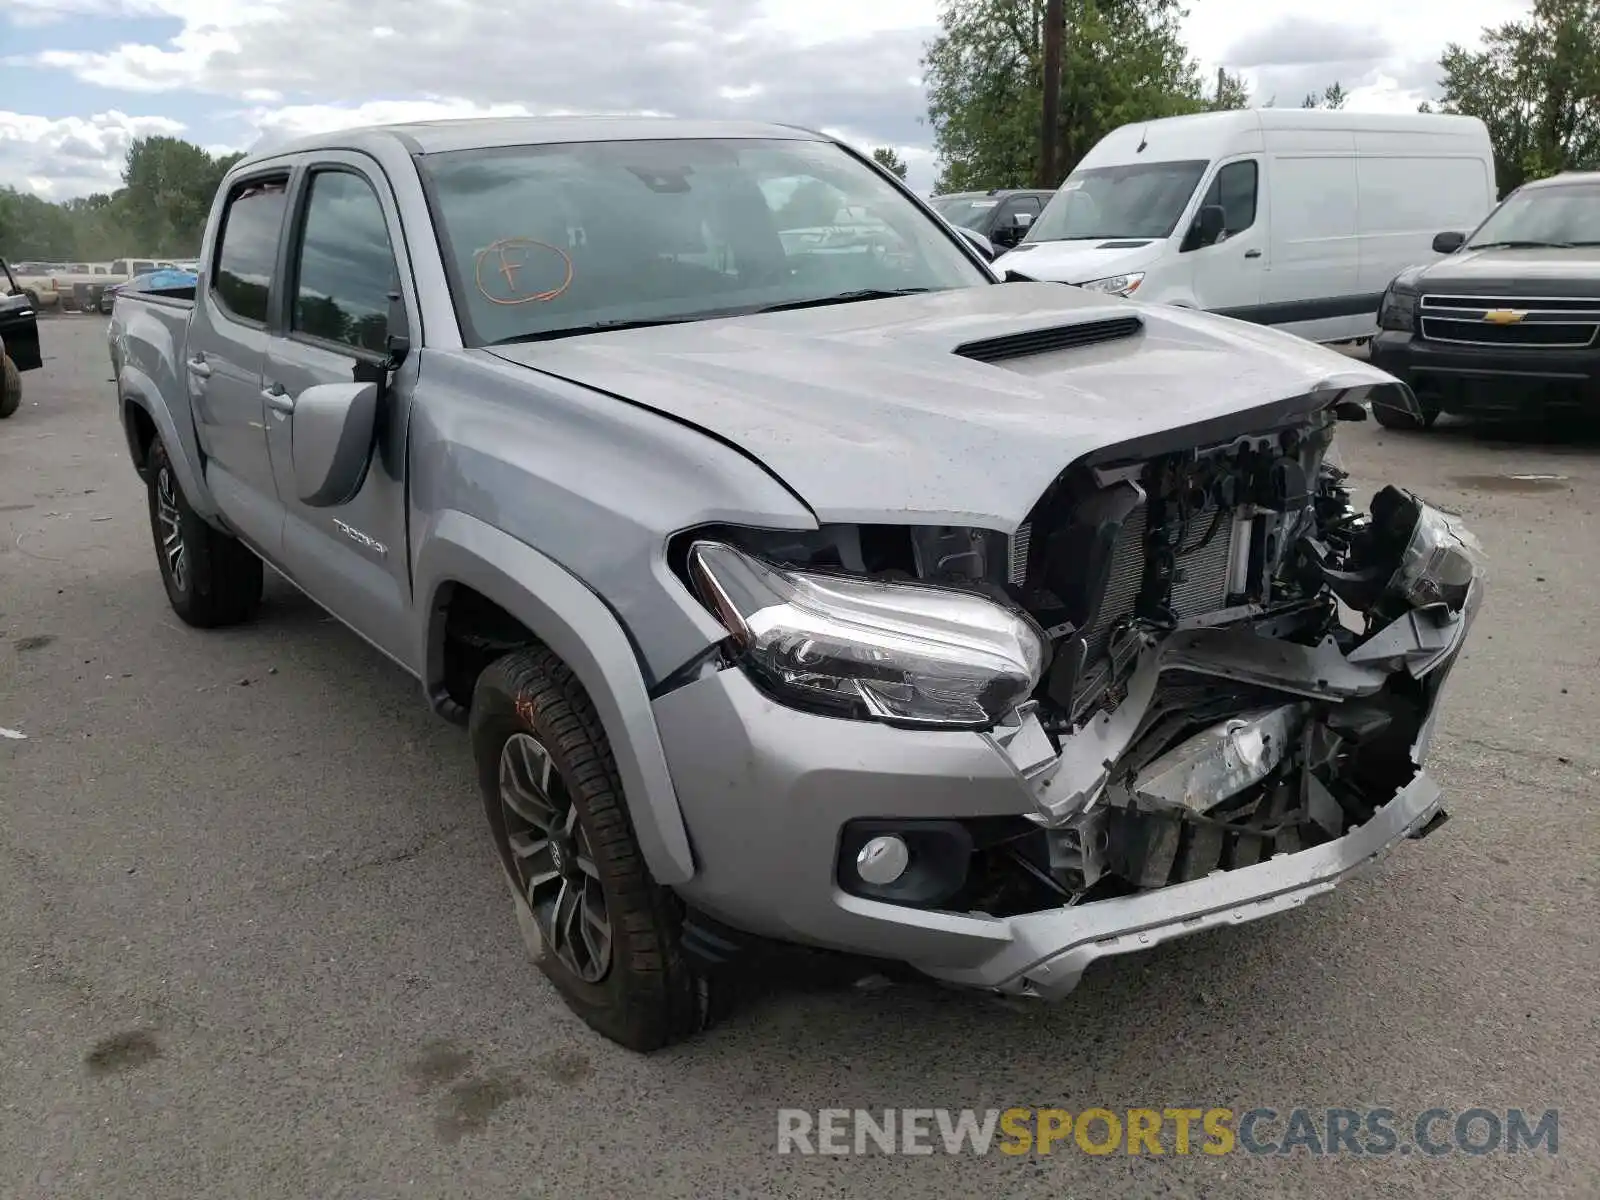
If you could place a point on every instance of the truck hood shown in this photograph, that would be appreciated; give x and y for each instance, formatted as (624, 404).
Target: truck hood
(1550, 272)
(866, 412)
(1080, 261)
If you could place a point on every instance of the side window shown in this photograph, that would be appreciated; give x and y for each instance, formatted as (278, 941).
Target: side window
(345, 269)
(249, 248)
(1235, 189)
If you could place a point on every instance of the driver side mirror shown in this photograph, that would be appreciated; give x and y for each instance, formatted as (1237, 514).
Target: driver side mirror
(1448, 243)
(332, 439)
(1209, 223)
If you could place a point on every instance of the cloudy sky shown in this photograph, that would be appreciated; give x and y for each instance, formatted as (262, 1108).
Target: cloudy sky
(79, 78)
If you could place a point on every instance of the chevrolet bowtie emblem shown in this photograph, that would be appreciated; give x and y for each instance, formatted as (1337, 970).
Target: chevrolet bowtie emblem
(1504, 316)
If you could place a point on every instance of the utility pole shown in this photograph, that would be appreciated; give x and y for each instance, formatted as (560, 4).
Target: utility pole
(1222, 74)
(1054, 22)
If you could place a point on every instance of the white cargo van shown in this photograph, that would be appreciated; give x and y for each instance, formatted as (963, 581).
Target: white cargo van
(1296, 218)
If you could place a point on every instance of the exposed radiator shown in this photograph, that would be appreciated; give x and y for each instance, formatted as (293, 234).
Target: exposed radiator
(1202, 584)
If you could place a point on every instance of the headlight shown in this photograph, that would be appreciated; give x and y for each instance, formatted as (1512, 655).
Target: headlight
(1115, 285)
(903, 653)
(1440, 559)
(1398, 310)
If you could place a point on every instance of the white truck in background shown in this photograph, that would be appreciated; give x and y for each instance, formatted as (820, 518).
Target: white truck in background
(1295, 218)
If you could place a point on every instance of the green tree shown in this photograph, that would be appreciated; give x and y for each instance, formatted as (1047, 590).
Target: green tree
(170, 184)
(1231, 93)
(1536, 85)
(886, 157)
(161, 209)
(1122, 61)
(1332, 96)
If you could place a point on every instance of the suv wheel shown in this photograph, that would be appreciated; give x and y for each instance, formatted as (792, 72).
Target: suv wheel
(212, 579)
(602, 931)
(10, 387)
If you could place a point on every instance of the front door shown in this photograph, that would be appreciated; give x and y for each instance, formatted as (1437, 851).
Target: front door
(1228, 272)
(345, 299)
(19, 323)
(223, 357)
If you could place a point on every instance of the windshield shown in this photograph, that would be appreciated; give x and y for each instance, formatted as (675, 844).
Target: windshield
(1138, 200)
(970, 211)
(550, 239)
(1566, 214)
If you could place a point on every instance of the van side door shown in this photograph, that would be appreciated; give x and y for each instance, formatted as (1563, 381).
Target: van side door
(223, 356)
(1312, 284)
(348, 287)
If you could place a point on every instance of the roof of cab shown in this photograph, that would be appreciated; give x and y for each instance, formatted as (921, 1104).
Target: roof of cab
(472, 133)
(1564, 179)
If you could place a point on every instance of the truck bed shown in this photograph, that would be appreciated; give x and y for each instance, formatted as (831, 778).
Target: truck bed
(148, 335)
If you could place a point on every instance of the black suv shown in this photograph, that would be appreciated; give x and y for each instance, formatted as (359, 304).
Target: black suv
(1509, 321)
(1003, 215)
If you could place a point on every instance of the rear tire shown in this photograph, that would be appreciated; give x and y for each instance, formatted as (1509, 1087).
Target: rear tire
(602, 931)
(10, 388)
(212, 579)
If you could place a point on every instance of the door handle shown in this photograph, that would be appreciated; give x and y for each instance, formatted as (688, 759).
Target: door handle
(1252, 254)
(277, 399)
(199, 368)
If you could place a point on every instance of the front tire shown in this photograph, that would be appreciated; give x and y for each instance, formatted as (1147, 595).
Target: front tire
(10, 387)
(212, 579)
(602, 931)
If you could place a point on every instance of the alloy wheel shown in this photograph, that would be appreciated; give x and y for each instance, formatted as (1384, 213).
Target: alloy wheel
(171, 529)
(555, 866)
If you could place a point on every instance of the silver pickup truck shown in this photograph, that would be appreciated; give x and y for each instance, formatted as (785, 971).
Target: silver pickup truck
(817, 590)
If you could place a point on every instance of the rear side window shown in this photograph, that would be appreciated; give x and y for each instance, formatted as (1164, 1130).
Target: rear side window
(249, 248)
(1234, 189)
(345, 269)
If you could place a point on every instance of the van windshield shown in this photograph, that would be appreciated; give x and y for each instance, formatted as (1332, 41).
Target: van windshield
(1136, 200)
(1565, 214)
(551, 240)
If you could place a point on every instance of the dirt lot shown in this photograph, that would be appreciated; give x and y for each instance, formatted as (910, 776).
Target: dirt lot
(252, 942)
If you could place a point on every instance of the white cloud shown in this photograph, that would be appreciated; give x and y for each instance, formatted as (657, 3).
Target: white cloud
(72, 156)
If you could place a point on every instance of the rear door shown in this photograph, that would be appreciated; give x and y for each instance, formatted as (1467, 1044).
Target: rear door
(19, 324)
(227, 344)
(344, 296)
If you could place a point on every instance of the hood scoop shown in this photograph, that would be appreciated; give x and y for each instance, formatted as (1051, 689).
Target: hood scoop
(1045, 341)
(1124, 244)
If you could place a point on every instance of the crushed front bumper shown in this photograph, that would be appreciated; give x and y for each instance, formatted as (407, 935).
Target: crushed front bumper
(1049, 951)
(766, 792)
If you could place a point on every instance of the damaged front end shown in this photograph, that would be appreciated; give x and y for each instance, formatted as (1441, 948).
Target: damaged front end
(1195, 661)
(1244, 665)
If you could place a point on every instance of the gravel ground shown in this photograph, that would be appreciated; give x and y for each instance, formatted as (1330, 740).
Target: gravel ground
(252, 942)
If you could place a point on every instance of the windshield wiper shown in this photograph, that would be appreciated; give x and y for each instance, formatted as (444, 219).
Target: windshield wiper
(1520, 245)
(842, 298)
(546, 335)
